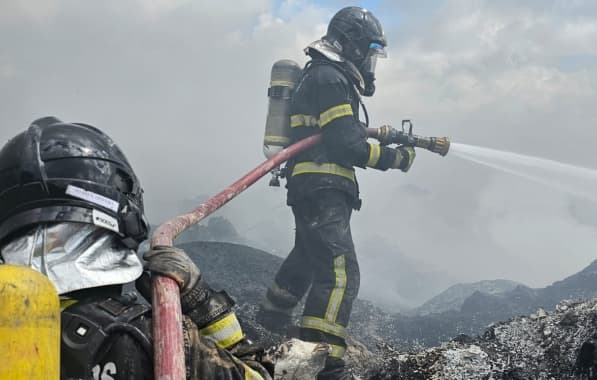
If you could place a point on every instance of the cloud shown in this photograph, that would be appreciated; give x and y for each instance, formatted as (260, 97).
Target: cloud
(488, 73)
(37, 12)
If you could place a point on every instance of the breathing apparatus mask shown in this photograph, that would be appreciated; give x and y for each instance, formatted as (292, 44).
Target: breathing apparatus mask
(74, 256)
(367, 67)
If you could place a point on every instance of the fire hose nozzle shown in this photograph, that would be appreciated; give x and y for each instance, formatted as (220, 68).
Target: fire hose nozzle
(405, 137)
(439, 145)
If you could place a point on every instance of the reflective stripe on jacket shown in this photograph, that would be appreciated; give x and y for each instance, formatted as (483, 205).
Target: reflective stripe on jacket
(325, 101)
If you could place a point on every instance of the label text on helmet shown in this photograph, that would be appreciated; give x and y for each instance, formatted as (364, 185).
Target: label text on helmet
(92, 197)
(103, 220)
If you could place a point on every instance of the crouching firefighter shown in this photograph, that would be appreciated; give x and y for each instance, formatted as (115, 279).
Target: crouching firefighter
(71, 207)
(322, 188)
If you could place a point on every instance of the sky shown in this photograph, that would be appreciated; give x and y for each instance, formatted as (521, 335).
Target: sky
(181, 86)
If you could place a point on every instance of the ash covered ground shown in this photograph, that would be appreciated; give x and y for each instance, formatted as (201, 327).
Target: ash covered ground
(558, 344)
(542, 346)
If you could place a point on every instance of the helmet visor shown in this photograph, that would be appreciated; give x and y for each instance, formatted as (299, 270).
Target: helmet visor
(74, 256)
(376, 51)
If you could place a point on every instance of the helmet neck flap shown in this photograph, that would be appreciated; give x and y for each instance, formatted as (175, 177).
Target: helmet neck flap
(74, 256)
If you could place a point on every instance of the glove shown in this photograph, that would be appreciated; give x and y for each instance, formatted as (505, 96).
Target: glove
(383, 134)
(405, 155)
(174, 263)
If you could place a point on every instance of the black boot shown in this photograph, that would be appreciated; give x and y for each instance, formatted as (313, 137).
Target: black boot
(274, 320)
(335, 369)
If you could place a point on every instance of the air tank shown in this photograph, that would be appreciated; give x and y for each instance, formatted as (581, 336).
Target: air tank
(284, 78)
(29, 325)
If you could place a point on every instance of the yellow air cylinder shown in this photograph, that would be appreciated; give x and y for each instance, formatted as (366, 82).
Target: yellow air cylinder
(29, 325)
(284, 78)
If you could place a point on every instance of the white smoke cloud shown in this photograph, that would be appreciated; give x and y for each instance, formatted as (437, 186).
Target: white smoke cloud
(181, 86)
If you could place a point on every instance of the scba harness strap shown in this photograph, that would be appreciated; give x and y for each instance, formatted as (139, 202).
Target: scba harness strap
(347, 74)
(90, 329)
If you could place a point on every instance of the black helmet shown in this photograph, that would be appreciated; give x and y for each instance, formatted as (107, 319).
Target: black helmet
(359, 36)
(355, 28)
(69, 172)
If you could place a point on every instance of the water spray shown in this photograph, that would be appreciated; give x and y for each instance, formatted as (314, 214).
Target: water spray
(575, 180)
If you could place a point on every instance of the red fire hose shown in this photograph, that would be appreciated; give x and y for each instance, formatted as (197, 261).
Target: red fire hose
(169, 360)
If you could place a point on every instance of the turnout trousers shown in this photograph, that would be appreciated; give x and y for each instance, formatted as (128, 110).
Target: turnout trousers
(322, 262)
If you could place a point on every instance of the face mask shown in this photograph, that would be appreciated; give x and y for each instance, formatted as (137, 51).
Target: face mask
(369, 79)
(74, 256)
(368, 67)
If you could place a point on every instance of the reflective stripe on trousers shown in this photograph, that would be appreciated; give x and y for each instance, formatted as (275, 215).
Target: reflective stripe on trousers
(338, 293)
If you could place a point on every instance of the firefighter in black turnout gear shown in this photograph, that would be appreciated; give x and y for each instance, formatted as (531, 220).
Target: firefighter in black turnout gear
(71, 207)
(322, 187)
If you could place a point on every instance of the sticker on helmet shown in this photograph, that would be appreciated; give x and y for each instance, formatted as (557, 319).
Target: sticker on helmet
(101, 219)
(92, 197)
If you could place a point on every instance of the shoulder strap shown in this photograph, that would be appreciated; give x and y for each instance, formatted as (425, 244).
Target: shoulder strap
(88, 330)
(347, 75)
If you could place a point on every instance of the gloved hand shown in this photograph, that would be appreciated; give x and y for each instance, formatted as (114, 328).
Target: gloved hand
(405, 155)
(174, 263)
(383, 134)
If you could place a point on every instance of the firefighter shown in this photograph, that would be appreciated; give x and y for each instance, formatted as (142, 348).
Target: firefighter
(322, 187)
(71, 207)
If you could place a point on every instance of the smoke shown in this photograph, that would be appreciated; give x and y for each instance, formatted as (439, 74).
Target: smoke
(181, 86)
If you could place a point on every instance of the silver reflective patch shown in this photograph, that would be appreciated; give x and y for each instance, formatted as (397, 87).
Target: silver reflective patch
(74, 256)
(334, 53)
(330, 51)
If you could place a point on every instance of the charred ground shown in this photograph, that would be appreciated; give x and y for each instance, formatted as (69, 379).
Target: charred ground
(544, 345)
